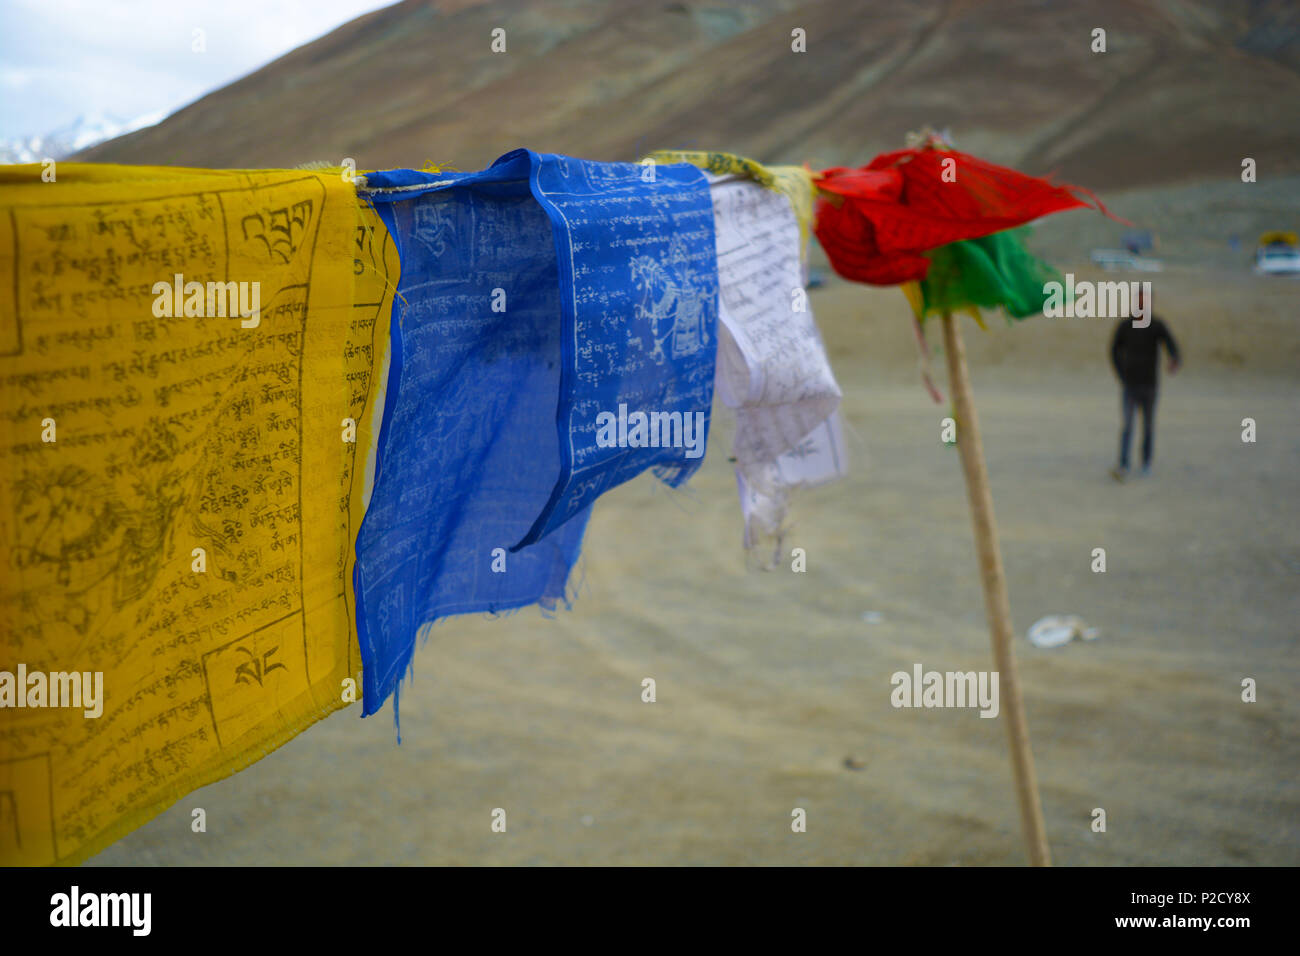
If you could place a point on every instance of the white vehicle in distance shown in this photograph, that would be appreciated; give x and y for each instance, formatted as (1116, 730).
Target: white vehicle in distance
(1278, 254)
(1277, 262)
(1117, 260)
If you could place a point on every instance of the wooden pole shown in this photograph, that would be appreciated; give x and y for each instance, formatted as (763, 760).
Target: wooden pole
(996, 606)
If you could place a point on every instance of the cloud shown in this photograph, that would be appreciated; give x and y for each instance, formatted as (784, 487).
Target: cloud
(72, 58)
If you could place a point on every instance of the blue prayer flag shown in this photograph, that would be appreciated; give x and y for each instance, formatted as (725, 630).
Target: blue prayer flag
(553, 335)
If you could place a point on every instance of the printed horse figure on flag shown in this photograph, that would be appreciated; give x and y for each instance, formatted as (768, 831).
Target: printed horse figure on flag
(670, 296)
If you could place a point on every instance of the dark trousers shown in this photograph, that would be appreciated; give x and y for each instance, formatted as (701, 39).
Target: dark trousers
(1135, 397)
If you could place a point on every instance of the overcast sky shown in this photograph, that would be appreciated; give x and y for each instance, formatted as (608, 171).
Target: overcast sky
(60, 59)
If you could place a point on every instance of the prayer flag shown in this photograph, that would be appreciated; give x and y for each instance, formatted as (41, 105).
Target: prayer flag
(554, 336)
(185, 369)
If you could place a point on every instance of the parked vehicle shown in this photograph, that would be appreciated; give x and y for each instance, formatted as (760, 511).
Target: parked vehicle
(1278, 254)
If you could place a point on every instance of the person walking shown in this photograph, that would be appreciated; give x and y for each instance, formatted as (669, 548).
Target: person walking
(1135, 356)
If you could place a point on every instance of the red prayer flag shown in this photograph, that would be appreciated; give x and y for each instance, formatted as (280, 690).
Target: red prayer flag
(876, 221)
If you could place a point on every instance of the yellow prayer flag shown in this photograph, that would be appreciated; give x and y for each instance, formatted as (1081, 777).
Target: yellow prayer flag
(189, 361)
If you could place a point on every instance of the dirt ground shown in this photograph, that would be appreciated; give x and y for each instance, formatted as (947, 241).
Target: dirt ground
(773, 689)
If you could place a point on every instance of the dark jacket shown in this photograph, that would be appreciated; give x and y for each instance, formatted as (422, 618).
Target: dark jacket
(1135, 353)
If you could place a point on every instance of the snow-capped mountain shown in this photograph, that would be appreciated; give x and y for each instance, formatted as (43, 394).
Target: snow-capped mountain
(82, 132)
